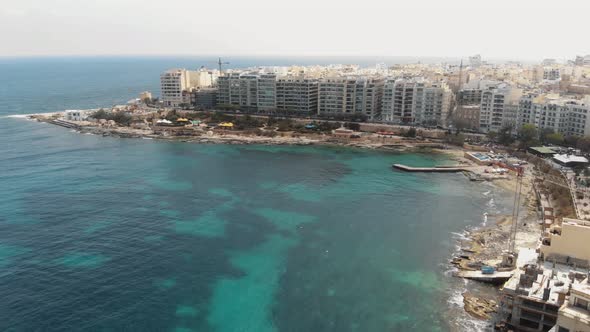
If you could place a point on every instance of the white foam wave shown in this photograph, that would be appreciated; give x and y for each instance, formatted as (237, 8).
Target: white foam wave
(26, 116)
(460, 236)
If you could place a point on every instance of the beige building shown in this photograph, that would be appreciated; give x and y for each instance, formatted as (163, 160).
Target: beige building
(499, 107)
(172, 83)
(297, 94)
(416, 101)
(574, 314)
(568, 243)
(175, 81)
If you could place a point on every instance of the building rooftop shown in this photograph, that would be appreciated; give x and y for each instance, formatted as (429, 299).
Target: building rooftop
(544, 149)
(566, 158)
(557, 280)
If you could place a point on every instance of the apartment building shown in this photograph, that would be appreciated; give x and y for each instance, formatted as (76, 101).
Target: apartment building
(229, 89)
(531, 298)
(336, 95)
(569, 117)
(252, 92)
(172, 83)
(351, 95)
(176, 81)
(574, 314)
(203, 98)
(436, 104)
(470, 96)
(297, 94)
(416, 101)
(398, 100)
(267, 92)
(499, 107)
(368, 97)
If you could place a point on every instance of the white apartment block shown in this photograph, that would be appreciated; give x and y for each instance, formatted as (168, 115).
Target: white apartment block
(569, 117)
(435, 105)
(267, 92)
(297, 94)
(416, 101)
(351, 95)
(499, 107)
(172, 83)
(368, 97)
(229, 89)
(398, 100)
(336, 95)
(251, 92)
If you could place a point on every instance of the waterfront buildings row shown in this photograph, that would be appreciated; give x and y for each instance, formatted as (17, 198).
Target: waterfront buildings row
(415, 101)
(480, 96)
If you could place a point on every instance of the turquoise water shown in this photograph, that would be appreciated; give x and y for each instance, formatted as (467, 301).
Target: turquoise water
(105, 234)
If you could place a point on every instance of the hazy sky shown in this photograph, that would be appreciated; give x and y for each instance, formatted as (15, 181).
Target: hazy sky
(519, 29)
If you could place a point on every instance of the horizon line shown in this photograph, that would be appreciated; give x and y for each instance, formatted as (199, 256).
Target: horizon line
(181, 55)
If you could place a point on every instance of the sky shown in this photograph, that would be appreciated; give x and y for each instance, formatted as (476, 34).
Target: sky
(502, 29)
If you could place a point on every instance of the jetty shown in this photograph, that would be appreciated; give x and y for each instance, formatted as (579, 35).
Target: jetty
(435, 169)
(66, 124)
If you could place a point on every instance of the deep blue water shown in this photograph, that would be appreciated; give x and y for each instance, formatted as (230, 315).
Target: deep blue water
(105, 234)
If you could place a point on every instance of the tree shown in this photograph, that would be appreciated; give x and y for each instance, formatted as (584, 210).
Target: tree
(455, 139)
(571, 141)
(411, 132)
(505, 135)
(528, 136)
(545, 132)
(554, 138)
(121, 118)
(492, 135)
(353, 126)
(583, 143)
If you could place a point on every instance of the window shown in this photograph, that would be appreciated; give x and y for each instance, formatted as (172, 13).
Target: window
(562, 329)
(580, 303)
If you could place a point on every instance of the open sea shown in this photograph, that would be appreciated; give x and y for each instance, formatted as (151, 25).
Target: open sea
(108, 234)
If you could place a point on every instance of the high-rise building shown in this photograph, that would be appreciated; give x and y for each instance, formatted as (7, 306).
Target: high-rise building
(336, 95)
(229, 89)
(297, 94)
(248, 92)
(252, 92)
(416, 101)
(369, 97)
(176, 81)
(351, 95)
(398, 100)
(172, 83)
(569, 117)
(436, 103)
(267, 92)
(499, 107)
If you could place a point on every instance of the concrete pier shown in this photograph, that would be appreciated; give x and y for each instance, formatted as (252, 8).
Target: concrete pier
(435, 169)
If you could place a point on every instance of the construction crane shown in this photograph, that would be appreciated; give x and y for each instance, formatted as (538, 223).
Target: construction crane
(515, 210)
(220, 63)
